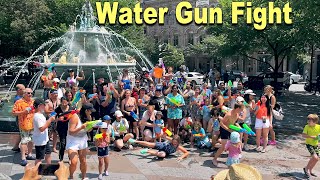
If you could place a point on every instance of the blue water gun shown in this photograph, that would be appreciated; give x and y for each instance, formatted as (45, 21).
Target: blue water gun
(76, 98)
(134, 115)
(50, 68)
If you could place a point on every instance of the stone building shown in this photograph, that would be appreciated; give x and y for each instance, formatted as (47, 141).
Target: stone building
(182, 35)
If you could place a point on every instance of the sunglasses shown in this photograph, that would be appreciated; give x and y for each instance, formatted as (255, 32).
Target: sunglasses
(28, 92)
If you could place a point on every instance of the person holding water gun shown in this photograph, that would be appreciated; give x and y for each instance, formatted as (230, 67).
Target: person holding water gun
(77, 140)
(200, 136)
(206, 93)
(174, 109)
(163, 149)
(196, 102)
(263, 113)
(121, 127)
(185, 128)
(206, 109)
(311, 132)
(102, 144)
(230, 118)
(250, 105)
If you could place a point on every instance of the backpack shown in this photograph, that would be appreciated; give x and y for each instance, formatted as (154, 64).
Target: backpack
(277, 112)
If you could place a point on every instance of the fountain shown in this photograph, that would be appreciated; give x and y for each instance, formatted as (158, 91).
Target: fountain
(88, 46)
(98, 51)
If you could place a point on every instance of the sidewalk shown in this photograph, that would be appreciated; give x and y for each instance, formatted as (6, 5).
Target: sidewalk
(284, 161)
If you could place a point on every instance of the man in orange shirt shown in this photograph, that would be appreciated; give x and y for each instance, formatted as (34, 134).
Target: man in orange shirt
(23, 109)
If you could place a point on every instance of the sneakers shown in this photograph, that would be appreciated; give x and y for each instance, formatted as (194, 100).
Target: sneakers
(246, 147)
(144, 151)
(106, 173)
(258, 149)
(100, 177)
(24, 162)
(130, 147)
(263, 150)
(273, 143)
(30, 157)
(131, 141)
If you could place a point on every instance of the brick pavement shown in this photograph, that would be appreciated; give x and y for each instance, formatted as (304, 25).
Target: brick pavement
(284, 161)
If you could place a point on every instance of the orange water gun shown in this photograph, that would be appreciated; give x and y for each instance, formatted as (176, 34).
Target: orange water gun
(198, 135)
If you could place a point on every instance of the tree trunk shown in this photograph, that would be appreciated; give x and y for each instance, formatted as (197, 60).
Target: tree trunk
(276, 71)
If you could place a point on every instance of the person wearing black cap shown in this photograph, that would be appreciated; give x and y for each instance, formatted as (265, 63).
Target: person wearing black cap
(158, 100)
(72, 80)
(40, 133)
(77, 140)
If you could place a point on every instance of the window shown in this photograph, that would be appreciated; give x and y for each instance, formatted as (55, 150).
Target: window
(190, 38)
(190, 75)
(175, 40)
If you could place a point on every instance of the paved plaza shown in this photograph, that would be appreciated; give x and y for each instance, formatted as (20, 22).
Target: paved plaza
(284, 161)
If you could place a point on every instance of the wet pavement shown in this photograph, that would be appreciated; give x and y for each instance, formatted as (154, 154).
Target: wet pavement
(283, 161)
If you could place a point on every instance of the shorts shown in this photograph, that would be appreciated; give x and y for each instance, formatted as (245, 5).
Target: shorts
(53, 127)
(120, 137)
(224, 133)
(207, 119)
(103, 152)
(158, 135)
(77, 145)
(260, 125)
(41, 151)
(26, 136)
(130, 118)
(161, 146)
(313, 149)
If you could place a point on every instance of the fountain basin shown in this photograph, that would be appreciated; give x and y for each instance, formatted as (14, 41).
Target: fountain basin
(100, 70)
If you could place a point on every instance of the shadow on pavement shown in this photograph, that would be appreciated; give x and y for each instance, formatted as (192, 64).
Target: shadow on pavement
(293, 175)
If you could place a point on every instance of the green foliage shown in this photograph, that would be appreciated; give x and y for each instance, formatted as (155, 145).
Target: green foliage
(26, 24)
(173, 56)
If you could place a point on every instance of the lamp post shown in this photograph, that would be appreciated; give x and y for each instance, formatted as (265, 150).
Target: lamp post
(311, 63)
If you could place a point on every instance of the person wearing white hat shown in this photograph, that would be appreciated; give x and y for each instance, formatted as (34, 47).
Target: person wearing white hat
(240, 172)
(102, 144)
(121, 126)
(250, 105)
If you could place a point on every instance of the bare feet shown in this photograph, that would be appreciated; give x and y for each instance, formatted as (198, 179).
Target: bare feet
(55, 150)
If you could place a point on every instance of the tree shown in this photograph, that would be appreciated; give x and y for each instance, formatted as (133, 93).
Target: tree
(173, 56)
(276, 39)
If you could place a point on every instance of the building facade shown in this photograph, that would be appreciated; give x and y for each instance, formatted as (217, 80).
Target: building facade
(183, 35)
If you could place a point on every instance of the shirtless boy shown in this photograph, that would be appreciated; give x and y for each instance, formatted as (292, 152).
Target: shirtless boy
(230, 118)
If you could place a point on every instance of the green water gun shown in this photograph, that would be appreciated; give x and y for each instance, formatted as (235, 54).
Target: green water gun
(174, 101)
(91, 124)
(230, 84)
(122, 128)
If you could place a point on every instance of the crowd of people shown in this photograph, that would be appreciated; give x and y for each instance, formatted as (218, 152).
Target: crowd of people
(157, 109)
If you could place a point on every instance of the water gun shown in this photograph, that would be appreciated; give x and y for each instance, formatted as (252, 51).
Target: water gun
(134, 115)
(91, 124)
(185, 85)
(122, 128)
(76, 98)
(198, 135)
(171, 81)
(230, 84)
(165, 130)
(174, 101)
(50, 68)
(100, 136)
(249, 130)
(259, 103)
(29, 109)
(55, 85)
(245, 103)
(225, 109)
(68, 114)
(238, 129)
(52, 114)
